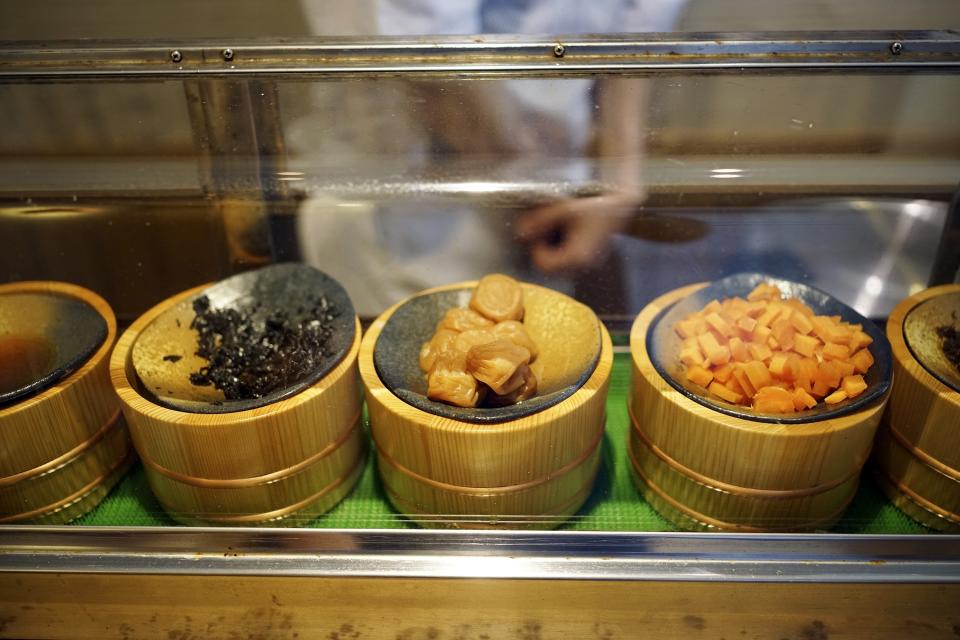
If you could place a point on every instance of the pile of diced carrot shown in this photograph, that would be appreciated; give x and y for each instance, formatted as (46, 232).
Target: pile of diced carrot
(773, 354)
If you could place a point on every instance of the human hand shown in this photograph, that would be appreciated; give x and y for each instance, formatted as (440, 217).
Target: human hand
(574, 233)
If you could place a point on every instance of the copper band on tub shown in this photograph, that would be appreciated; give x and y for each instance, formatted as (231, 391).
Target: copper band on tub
(719, 485)
(921, 455)
(76, 496)
(705, 520)
(236, 483)
(276, 514)
(576, 462)
(917, 499)
(553, 515)
(67, 457)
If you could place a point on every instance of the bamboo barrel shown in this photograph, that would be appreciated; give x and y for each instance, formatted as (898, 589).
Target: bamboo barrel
(702, 469)
(529, 472)
(64, 447)
(917, 456)
(282, 463)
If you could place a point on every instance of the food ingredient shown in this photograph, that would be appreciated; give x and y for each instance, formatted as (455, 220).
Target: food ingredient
(773, 354)
(481, 355)
(950, 343)
(23, 359)
(252, 352)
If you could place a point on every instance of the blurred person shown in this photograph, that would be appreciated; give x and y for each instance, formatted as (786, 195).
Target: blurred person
(573, 131)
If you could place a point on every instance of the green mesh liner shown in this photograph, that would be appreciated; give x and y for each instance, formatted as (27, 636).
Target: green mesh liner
(614, 504)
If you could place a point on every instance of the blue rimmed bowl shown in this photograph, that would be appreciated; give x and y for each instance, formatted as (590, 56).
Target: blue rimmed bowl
(663, 345)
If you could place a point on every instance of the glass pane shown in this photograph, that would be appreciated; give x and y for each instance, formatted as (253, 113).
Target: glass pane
(609, 191)
(722, 174)
(291, 18)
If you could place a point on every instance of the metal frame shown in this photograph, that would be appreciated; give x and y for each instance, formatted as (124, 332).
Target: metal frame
(469, 554)
(466, 554)
(868, 51)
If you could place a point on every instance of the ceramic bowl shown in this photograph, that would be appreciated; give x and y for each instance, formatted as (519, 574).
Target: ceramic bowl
(164, 354)
(663, 345)
(566, 332)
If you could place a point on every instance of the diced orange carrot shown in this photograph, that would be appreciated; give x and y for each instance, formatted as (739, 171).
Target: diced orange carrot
(760, 334)
(821, 327)
(720, 325)
(712, 307)
(784, 333)
(738, 350)
(845, 367)
(773, 400)
(805, 345)
(805, 370)
(719, 356)
(860, 340)
(746, 324)
(741, 377)
(699, 375)
(724, 393)
(834, 351)
(771, 314)
(778, 365)
(758, 374)
(803, 400)
(830, 373)
(797, 305)
(801, 322)
(759, 351)
(692, 357)
(820, 388)
(721, 339)
(840, 334)
(853, 385)
(756, 308)
(862, 360)
(764, 291)
(737, 306)
(723, 372)
(759, 292)
(837, 396)
(708, 343)
(734, 386)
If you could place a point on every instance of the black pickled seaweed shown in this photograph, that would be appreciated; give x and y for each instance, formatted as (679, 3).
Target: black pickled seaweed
(250, 355)
(950, 342)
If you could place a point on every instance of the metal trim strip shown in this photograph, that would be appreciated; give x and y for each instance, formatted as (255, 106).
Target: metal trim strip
(470, 554)
(871, 51)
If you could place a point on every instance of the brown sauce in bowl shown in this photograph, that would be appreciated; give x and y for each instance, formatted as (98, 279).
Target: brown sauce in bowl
(23, 360)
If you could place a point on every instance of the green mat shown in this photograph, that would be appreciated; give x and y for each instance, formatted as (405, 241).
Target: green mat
(614, 504)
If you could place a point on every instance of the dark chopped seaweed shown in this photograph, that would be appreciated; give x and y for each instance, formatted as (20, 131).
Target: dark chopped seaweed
(250, 355)
(950, 342)
(172, 358)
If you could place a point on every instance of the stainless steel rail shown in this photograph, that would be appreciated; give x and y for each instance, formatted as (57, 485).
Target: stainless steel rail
(466, 554)
(867, 51)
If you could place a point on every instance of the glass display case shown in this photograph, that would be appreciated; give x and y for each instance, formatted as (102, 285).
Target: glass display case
(607, 174)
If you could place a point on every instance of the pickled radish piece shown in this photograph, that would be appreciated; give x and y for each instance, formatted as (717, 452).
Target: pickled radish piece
(515, 332)
(498, 298)
(441, 341)
(495, 364)
(449, 382)
(460, 319)
(524, 392)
